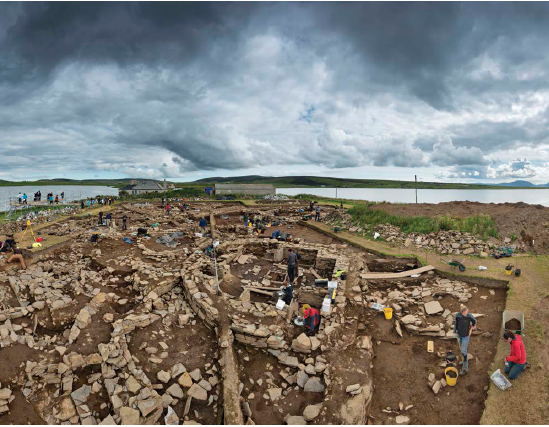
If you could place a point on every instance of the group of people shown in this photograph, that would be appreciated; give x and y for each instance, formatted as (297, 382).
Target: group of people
(310, 315)
(314, 209)
(464, 326)
(108, 220)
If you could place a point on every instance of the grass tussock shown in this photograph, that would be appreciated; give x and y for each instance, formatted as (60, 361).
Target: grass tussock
(479, 225)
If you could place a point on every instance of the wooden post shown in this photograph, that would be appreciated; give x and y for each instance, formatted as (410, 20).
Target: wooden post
(415, 176)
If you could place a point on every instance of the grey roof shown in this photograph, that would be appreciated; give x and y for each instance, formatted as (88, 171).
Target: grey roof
(144, 185)
(244, 187)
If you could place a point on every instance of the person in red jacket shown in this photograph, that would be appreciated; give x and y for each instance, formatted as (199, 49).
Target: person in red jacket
(312, 319)
(516, 361)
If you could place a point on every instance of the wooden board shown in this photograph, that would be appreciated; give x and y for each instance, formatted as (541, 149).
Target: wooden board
(408, 273)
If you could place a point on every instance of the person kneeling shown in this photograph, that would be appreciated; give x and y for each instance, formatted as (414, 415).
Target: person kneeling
(516, 361)
(312, 320)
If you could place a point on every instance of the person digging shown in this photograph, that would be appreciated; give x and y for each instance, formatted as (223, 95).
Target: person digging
(463, 328)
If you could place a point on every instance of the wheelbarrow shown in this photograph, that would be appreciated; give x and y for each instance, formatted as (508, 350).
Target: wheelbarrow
(455, 263)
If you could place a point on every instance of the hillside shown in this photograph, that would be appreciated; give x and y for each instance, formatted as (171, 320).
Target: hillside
(316, 181)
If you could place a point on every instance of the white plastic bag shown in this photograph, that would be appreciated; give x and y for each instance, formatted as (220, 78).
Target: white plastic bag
(500, 381)
(376, 235)
(481, 267)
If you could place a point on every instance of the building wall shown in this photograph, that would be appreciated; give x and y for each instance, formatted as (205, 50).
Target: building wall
(246, 192)
(134, 192)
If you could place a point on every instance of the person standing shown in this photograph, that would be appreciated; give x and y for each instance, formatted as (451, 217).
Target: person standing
(317, 213)
(292, 262)
(108, 219)
(25, 198)
(516, 361)
(168, 207)
(56, 199)
(202, 224)
(20, 198)
(463, 328)
(51, 199)
(124, 222)
(100, 221)
(63, 195)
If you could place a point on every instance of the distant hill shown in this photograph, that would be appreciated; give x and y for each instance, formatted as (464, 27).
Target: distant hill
(316, 181)
(522, 184)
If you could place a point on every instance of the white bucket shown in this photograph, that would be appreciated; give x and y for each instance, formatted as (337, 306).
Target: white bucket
(280, 304)
(326, 304)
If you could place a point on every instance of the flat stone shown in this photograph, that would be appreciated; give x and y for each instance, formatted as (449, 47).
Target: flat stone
(352, 387)
(402, 419)
(312, 411)
(274, 393)
(185, 380)
(196, 375)
(178, 369)
(133, 385)
(79, 396)
(408, 319)
(314, 385)
(149, 405)
(295, 420)
(66, 410)
(433, 307)
(176, 391)
(301, 378)
(197, 392)
(129, 416)
(163, 376)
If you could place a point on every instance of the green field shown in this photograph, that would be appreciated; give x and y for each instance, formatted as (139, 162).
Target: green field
(480, 225)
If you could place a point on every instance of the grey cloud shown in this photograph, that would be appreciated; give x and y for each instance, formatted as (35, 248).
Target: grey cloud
(168, 88)
(445, 153)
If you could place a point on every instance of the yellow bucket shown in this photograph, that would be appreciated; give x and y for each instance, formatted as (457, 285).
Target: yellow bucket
(508, 272)
(388, 313)
(449, 380)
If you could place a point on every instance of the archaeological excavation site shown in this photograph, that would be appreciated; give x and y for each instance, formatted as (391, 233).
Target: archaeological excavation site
(170, 323)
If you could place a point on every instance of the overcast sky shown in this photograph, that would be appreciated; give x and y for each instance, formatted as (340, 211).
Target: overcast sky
(448, 91)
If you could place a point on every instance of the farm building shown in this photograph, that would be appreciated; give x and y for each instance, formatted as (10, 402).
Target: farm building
(144, 186)
(246, 189)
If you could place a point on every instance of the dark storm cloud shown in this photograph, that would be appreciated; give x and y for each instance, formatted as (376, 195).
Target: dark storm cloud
(164, 88)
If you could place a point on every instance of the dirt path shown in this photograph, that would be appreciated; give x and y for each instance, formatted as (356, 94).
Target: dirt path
(527, 401)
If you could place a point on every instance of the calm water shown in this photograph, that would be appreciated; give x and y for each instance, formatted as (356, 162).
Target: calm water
(72, 192)
(399, 195)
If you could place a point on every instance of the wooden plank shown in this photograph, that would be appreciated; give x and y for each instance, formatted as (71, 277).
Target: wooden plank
(263, 288)
(314, 273)
(373, 276)
(259, 291)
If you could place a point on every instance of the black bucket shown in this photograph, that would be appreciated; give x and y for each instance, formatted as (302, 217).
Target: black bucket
(517, 272)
